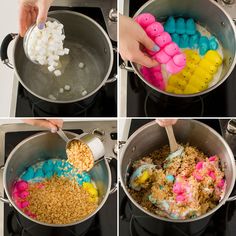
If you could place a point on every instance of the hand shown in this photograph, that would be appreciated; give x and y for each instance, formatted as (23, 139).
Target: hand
(32, 11)
(132, 38)
(52, 124)
(166, 122)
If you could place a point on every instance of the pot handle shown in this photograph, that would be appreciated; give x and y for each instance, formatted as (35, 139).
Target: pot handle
(113, 163)
(125, 67)
(4, 46)
(2, 199)
(112, 79)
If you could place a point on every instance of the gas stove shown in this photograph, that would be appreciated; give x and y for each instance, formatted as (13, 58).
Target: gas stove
(104, 104)
(14, 224)
(140, 103)
(134, 222)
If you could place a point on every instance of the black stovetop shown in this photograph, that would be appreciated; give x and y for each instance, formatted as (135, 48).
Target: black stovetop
(17, 225)
(221, 102)
(104, 104)
(134, 222)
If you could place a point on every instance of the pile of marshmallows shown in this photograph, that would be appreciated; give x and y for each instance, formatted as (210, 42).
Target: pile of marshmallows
(46, 46)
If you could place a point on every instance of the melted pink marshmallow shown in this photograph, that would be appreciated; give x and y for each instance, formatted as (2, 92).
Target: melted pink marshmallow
(162, 57)
(180, 198)
(221, 183)
(156, 69)
(145, 19)
(197, 176)
(213, 158)
(212, 174)
(178, 188)
(199, 165)
(163, 39)
(24, 204)
(171, 49)
(154, 30)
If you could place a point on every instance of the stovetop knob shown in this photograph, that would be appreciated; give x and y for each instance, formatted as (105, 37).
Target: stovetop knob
(113, 15)
(231, 126)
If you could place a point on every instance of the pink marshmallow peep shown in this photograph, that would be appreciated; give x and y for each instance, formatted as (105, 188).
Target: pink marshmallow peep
(176, 64)
(162, 57)
(145, 19)
(163, 39)
(171, 49)
(154, 30)
(21, 185)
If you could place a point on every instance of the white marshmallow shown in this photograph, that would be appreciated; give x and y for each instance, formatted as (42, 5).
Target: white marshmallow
(84, 93)
(67, 87)
(66, 51)
(51, 68)
(57, 73)
(61, 90)
(50, 96)
(81, 65)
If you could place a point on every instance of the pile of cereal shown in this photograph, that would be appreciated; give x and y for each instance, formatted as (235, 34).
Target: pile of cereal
(185, 187)
(54, 192)
(79, 155)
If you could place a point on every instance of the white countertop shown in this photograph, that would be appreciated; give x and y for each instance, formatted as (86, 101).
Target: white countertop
(9, 24)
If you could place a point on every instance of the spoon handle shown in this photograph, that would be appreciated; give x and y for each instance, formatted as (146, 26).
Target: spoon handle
(61, 133)
(173, 144)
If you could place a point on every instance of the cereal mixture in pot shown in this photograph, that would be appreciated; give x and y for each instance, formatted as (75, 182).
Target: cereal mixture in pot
(185, 187)
(80, 156)
(54, 192)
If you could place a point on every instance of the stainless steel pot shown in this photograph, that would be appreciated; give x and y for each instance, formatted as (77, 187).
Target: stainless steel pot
(88, 43)
(44, 146)
(215, 19)
(151, 136)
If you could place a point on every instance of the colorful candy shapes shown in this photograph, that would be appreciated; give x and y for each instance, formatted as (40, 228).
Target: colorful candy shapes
(180, 27)
(172, 67)
(170, 178)
(194, 41)
(169, 25)
(175, 38)
(47, 166)
(154, 30)
(190, 89)
(172, 49)
(145, 19)
(213, 43)
(214, 57)
(21, 185)
(163, 39)
(203, 45)
(162, 57)
(29, 174)
(184, 41)
(190, 27)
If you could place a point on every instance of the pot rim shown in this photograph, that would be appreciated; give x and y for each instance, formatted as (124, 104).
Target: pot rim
(194, 94)
(43, 223)
(102, 82)
(226, 196)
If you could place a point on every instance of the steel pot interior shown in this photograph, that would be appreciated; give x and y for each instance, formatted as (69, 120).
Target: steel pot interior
(151, 136)
(44, 146)
(218, 23)
(88, 43)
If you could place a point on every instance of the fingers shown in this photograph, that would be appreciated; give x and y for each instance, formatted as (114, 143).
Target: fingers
(57, 122)
(43, 7)
(148, 43)
(142, 59)
(42, 123)
(22, 21)
(166, 122)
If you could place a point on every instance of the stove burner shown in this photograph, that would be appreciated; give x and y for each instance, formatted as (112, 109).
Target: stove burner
(159, 107)
(20, 226)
